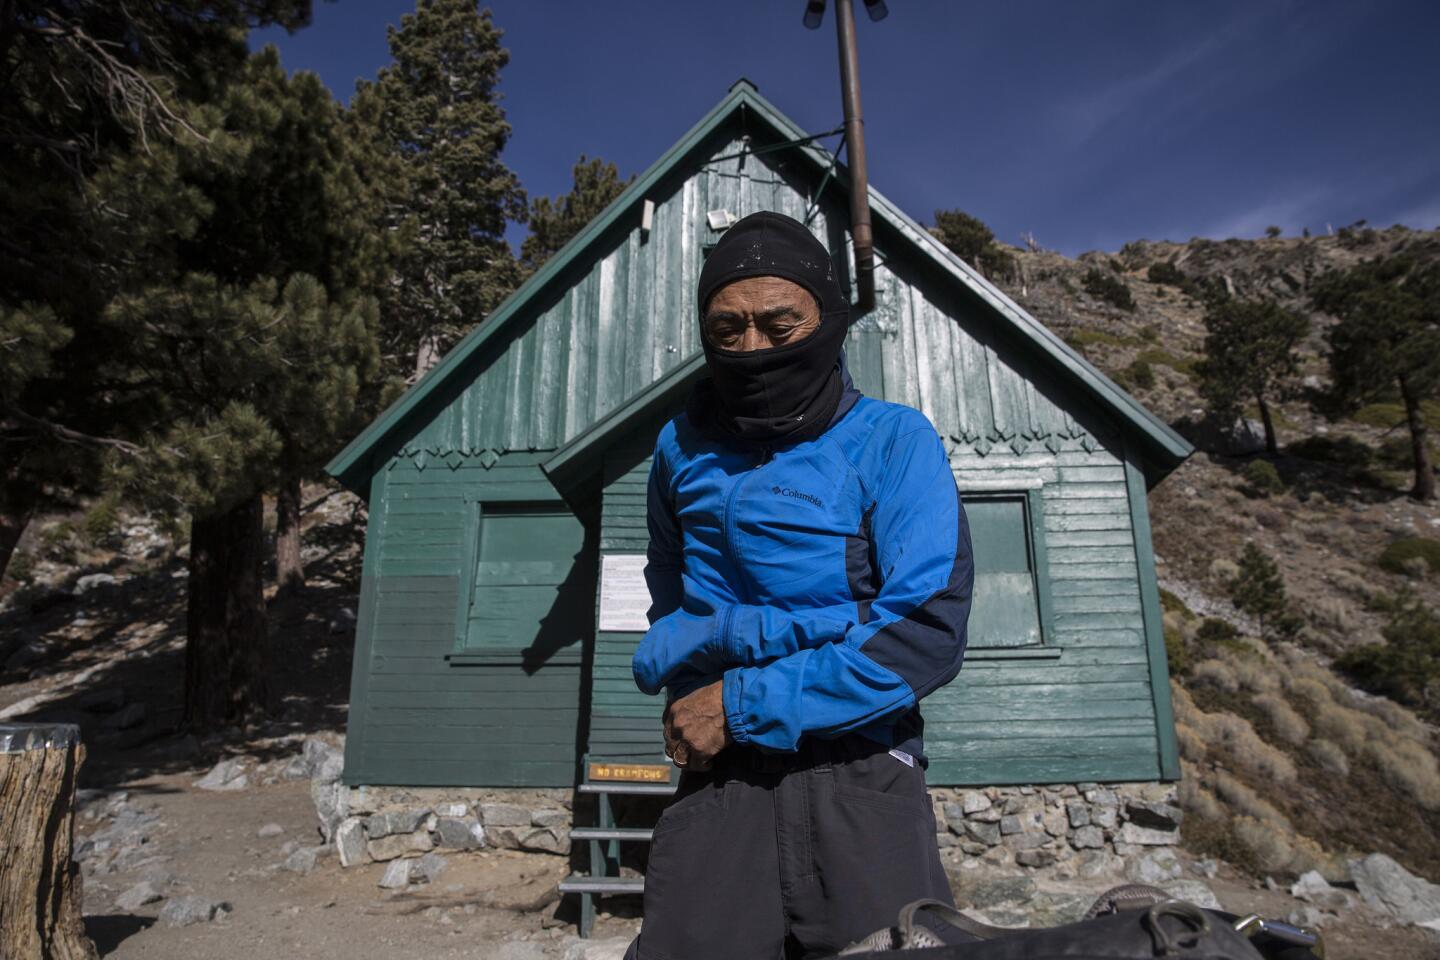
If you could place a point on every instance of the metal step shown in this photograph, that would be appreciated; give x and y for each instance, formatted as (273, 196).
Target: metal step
(651, 789)
(579, 884)
(611, 833)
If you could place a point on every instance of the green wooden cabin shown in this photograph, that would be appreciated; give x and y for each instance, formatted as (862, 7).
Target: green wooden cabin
(507, 477)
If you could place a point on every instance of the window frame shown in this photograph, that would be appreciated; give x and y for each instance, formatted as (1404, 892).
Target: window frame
(1029, 492)
(462, 653)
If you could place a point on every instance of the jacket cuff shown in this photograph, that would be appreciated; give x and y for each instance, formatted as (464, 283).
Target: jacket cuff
(730, 696)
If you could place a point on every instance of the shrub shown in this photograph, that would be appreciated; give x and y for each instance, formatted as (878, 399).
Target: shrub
(1396, 555)
(1272, 232)
(1165, 272)
(1270, 850)
(1262, 478)
(22, 567)
(1343, 450)
(1157, 356)
(1408, 767)
(101, 520)
(1247, 802)
(1138, 375)
(1344, 726)
(1192, 745)
(1105, 286)
(1330, 757)
(1170, 603)
(1289, 725)
(1195, 798)
(1177, 654)
(1407, 666)
(1214, 673)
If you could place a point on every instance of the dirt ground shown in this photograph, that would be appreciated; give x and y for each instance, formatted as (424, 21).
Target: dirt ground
(211, 845)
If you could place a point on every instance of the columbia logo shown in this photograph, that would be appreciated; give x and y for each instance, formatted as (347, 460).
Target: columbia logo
(796, 494)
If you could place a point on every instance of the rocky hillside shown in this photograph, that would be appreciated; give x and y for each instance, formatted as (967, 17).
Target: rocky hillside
(1288, 766)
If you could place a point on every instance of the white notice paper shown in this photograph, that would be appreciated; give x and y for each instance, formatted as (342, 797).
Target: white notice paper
(624, 598)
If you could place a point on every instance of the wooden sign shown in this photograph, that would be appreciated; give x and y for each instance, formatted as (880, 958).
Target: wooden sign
(638, 772)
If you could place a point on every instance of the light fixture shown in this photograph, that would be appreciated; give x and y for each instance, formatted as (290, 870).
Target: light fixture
(814, 13)
(876, 10)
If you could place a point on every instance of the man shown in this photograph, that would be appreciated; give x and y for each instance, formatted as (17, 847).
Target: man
(811, 574)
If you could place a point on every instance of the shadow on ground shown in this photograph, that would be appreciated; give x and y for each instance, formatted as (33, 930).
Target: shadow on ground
(125, 643)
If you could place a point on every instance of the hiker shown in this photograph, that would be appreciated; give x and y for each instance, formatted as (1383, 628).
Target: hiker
(810, 574)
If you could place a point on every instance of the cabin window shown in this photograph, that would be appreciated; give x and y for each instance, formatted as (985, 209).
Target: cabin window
(528, 594)
(1010, 606)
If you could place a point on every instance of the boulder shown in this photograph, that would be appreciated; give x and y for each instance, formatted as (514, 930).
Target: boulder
(428, 868)
(303, 860)
(228, 774)
(332, 805)
(611, 949)
(396, 876)
(1144, 836)
(1155, 868)
(504, 815)
(1388, 887)
(93, 581)
(270, 830)
(184, 911)
(986, 833)
(396, 821)
(1078, 813)
(458, 834)
(388, 848)
(551, 818)
(350, 841)
(974, 801)
(1088, 838)
(138, 896)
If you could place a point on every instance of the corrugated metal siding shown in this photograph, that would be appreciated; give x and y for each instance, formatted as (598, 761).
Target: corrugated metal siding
(417, 719)
(623, 324)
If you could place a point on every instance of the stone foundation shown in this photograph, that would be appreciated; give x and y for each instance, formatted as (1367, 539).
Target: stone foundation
(1087, 824)
(1081, 830)
(386, 823)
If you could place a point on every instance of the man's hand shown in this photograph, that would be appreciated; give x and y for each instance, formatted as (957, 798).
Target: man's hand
(695, 728)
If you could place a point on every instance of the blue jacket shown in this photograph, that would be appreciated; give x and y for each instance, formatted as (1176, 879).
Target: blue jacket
(827, 581)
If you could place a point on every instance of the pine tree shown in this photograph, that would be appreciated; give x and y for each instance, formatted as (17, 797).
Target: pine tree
(85, 83)
(261, 339)
(1388, 338)
(433, 119)
(1249, 354)
(972, 241)
(554, 222)
(1259, 590)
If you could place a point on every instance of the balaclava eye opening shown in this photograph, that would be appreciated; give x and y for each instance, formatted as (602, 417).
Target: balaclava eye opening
(782, 393)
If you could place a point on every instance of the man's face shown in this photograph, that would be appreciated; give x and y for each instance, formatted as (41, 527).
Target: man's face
(760, 312)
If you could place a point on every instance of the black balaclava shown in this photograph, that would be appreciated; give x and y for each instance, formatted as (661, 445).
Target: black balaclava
(779, 394)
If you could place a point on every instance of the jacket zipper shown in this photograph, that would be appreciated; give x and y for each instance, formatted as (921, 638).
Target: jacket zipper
(734, 557)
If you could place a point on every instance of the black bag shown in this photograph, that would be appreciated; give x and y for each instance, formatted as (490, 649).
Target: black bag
(1131, 922)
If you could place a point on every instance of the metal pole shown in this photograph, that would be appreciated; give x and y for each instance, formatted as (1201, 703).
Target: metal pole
(855, 158)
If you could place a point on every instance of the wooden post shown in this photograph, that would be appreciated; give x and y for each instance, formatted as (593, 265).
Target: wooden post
(40, 915)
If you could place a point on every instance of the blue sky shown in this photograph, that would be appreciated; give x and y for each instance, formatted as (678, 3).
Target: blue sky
(1087, 122)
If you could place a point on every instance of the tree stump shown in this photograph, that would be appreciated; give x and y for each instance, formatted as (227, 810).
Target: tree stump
(40, 915)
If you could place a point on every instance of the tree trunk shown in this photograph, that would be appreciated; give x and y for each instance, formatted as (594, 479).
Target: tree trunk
(289, 567)
(17, 506)
(1424, 488)
(40, 916)
(1271, 446)
(226, 642)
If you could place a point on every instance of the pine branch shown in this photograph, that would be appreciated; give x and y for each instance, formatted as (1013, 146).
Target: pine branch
(67, 435)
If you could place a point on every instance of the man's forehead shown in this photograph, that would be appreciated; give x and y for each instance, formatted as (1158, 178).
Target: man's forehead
(770, 289)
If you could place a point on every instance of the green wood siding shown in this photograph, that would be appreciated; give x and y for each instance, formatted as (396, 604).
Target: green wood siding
(509, 719)
(624, 723)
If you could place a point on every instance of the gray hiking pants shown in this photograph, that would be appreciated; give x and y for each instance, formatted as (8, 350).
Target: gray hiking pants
(771, 856)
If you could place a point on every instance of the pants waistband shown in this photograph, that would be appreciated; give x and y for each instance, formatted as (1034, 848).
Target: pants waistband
(811, 751)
